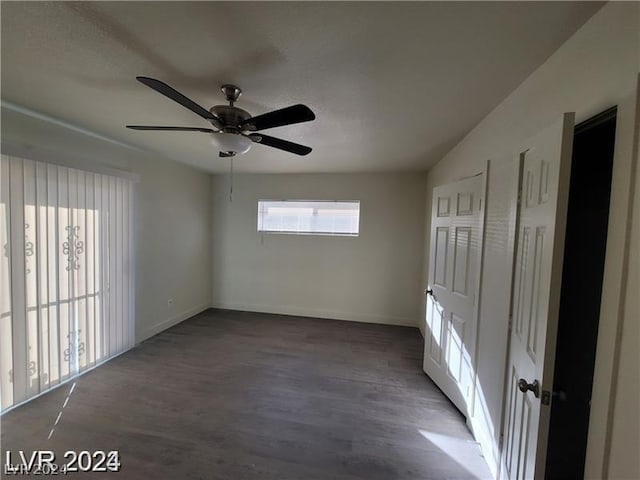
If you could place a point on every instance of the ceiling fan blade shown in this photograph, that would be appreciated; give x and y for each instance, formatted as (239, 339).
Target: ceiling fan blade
(277, 118)
(279, 143)
(171, 129)
(176, 96)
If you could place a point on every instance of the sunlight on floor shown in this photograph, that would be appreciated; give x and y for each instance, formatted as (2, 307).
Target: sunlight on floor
(464, 452)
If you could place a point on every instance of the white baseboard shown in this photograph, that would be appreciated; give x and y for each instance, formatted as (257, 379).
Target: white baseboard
(159, 327)
(318, 313)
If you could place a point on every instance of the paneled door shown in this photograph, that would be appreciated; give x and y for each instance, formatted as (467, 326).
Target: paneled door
(456, 239)
(545, 166)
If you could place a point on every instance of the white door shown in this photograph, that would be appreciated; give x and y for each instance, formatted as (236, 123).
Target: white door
(544, 190)
(451, 294)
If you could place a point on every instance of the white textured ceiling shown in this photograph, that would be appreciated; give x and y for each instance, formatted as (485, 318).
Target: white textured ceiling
(394, 85)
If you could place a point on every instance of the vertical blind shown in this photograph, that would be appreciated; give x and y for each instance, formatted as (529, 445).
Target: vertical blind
(66, 283)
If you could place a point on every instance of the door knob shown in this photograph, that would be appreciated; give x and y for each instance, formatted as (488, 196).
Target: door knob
(429, 291)
(525, 387)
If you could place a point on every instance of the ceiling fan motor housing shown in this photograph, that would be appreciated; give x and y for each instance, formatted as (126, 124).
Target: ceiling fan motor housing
(231, 117)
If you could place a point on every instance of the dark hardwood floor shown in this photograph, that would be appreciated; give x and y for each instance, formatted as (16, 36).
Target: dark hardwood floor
(236, 395)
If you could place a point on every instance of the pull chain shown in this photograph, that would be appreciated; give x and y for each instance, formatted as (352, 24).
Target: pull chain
(230, 179)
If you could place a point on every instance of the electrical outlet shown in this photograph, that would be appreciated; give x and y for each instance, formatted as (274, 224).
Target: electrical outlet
(170, 302)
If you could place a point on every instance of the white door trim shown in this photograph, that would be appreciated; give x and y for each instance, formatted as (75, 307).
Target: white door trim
(614, 286)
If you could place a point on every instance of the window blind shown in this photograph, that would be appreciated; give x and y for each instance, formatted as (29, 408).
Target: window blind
(66, 282)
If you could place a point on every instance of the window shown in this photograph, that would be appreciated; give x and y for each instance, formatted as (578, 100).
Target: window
(66, 280)
(309, 217)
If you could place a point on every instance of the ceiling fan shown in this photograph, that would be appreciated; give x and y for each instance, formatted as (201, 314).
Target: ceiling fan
(234, 128)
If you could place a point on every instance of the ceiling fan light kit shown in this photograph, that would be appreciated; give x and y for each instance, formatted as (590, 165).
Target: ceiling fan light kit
(232, 126)
(230, 142)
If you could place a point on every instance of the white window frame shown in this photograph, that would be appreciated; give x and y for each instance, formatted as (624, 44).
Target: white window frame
(315, 205)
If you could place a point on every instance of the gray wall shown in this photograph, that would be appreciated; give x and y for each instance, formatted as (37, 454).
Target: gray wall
(374, 277)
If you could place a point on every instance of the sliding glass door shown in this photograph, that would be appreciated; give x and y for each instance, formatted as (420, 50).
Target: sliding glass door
(66, 284)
